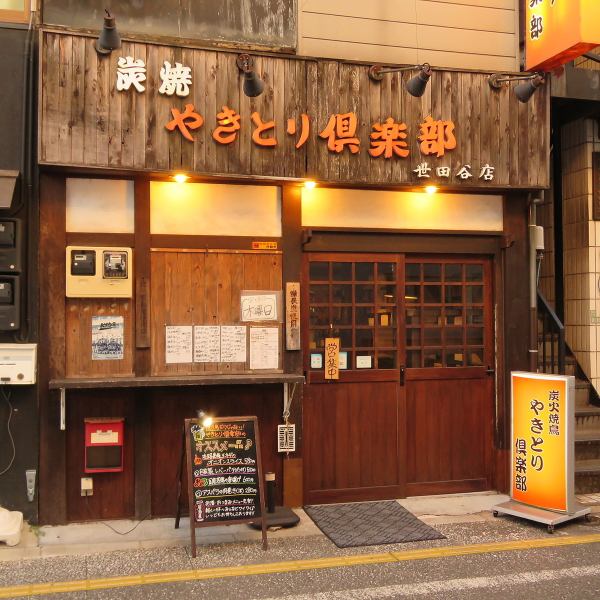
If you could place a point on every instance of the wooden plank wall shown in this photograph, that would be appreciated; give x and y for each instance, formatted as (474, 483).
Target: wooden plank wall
(84, 121)
(463, 34)
(196, 287)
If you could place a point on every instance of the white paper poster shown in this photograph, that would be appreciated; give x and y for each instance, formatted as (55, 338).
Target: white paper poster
(259, 307)
(207, 343)
(233, 343)
(107, 337)
(264, 347)
(178, 344)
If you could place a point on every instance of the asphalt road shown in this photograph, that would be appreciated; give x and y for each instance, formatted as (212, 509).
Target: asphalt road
(523, 572)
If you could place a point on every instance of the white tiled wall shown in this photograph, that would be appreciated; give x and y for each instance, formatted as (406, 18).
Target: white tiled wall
(581, 246)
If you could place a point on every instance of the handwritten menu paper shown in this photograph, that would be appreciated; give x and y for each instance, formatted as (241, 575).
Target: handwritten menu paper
(259, 307)
(225, 479)
(207, 343)
(264, 347)
(233, 343)
(178, 344)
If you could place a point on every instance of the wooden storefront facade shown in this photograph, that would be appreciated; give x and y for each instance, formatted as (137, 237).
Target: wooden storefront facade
(428, 320)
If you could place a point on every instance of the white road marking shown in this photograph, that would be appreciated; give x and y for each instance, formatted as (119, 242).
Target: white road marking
(450, 585)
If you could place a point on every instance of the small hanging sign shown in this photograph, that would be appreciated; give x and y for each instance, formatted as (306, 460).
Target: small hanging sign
(332, 358)
(286, 438)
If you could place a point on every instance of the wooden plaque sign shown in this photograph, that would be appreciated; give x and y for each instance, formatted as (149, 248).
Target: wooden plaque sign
(225, 479)
(596, 186)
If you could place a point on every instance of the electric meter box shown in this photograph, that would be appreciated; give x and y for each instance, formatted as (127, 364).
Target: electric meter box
(18, 364)
(99, 272)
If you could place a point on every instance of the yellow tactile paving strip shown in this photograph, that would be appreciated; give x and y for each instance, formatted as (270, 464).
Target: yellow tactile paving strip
(37, 589)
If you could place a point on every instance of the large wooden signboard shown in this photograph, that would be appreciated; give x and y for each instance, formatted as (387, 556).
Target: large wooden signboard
(318, 119)
(225, 479)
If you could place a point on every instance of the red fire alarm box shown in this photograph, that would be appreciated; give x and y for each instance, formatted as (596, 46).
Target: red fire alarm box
(104, 445)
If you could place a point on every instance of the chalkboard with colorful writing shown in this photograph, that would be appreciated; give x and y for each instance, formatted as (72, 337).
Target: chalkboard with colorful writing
(225, 481)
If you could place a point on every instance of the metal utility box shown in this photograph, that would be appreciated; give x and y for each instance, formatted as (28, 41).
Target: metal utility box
(10, 302)
(10, 246)
(18, 364)
(104, 445)
(99, 272)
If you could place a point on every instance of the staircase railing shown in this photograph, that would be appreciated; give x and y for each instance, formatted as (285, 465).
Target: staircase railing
(551, 335)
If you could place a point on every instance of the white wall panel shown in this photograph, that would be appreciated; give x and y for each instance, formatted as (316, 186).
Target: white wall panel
(368, 209)
(100, 205)
(214, 209)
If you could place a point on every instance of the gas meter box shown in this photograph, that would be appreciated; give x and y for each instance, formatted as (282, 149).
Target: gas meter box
(99, 272)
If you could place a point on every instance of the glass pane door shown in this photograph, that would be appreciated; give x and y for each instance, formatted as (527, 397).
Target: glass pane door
(355, 300)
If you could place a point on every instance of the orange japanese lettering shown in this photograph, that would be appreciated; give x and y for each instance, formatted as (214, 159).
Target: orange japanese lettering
(229, 125)
(304, 131)
(184, 120)
(260, 128)
(388, 139)
(341, 131)
(437, 137)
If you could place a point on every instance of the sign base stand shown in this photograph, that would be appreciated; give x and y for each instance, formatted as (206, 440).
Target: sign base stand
(539, 515)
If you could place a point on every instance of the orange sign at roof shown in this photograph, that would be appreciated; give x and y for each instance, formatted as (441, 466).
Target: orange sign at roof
(558, 31)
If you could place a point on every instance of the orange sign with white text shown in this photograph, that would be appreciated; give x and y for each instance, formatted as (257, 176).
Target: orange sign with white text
(558, 31)
(541, 466)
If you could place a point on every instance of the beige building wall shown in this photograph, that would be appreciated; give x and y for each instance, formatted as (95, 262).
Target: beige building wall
(581, 239)
(463, 34)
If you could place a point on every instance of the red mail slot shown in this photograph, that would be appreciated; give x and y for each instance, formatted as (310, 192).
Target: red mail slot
(104, 445)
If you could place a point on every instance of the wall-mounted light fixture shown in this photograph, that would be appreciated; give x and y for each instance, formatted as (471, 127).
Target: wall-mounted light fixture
(415, 86)
(109, 39)
(253, 84)
(523, 91)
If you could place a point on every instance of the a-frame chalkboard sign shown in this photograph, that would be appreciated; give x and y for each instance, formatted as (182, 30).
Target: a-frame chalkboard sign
(225, 478)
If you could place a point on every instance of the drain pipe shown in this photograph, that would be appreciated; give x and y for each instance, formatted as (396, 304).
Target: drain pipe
(536, 245)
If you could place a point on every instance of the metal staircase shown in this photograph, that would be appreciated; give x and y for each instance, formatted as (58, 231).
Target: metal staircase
(554, 356)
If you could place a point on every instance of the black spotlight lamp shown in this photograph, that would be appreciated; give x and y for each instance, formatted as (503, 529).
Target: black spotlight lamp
(253, 84)
(530, 83)
(415, 86)
(109, 39)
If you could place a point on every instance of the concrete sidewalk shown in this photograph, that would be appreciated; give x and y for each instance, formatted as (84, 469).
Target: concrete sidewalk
(126, 535)
(109, 536)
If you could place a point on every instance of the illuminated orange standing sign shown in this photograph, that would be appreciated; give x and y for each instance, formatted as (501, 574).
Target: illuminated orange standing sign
(542, 460)
(558, 31)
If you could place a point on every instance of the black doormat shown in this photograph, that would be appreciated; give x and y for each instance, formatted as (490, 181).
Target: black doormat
(370, 524)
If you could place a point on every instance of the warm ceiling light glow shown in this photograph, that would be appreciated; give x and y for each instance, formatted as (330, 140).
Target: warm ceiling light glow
(180, 178)
(310, 185)
(207, 421)
(431, 189)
